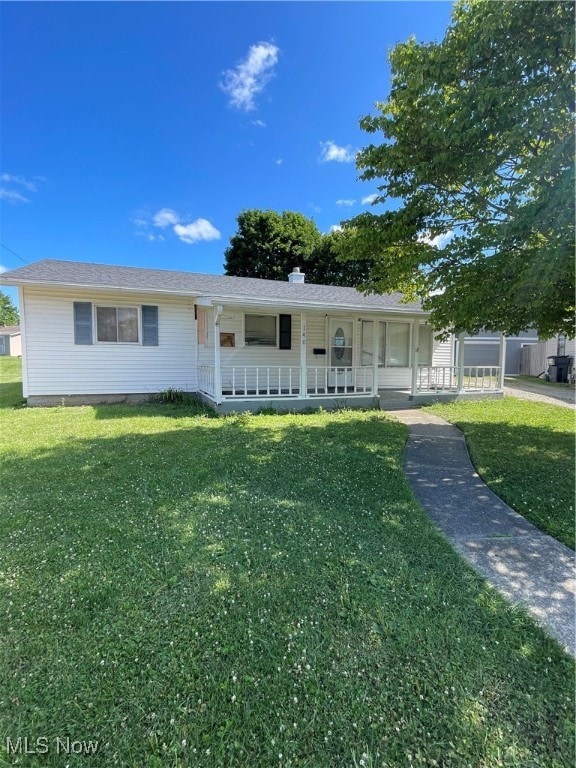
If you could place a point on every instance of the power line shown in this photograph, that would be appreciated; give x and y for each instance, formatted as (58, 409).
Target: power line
(13, 253)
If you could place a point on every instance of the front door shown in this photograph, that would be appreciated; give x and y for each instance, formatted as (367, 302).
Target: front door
(341, 342)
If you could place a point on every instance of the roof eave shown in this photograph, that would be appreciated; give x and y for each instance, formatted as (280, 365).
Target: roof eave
(215, 298)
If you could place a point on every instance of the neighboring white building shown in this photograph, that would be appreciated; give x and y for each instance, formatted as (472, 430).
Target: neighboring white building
(96, 333)
(10, 340)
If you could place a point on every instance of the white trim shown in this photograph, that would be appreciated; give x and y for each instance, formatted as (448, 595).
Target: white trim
(22, 312)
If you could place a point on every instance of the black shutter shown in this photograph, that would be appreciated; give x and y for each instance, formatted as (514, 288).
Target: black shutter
(149, 326)
(82, 322)
(285, 331)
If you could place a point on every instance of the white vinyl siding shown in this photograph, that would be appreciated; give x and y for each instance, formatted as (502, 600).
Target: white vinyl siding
(58, 366)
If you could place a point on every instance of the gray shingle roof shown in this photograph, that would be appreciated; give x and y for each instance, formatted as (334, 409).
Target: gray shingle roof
(82, 274)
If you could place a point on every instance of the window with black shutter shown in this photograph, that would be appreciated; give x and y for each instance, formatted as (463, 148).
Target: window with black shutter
(285, 332)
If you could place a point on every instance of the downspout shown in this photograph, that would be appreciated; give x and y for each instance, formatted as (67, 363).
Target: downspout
(218, 309)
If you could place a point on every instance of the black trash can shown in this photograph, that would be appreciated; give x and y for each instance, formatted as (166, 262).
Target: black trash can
(559, 368)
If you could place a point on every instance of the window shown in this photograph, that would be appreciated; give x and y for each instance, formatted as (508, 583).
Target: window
(260, 330)
(118, 324)
(367, 356)
(425, 344)
(394, 346)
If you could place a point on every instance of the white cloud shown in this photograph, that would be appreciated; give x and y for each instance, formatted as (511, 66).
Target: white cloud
(369, 199)
(201, 229)
(331, 152)
(8, 178)
(12, 196)
(439, 241)
(279, 161)
(243, 83)
(169, 219)
(165, 217)
(345, 202)
(259, 123)
(336, 228)
(3, 269)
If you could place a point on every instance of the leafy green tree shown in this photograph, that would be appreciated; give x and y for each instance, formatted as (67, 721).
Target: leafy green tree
(8, 312)
(477, 169)
(269, 245)
(329, 267)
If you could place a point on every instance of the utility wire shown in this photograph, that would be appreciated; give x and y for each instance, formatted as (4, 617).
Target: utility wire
(13, 253)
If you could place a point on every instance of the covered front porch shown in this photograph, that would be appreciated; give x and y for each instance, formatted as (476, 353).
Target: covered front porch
(358, 386)
(332, 360)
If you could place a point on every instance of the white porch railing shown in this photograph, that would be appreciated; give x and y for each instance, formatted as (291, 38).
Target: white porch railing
(260, 381)
(274, 381)
(206, 380)
(450, 378)
(327, 381)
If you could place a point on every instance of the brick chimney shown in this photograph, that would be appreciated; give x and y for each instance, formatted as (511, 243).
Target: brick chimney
(296, 276)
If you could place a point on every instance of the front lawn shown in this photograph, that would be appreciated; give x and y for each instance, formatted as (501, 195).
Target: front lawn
(251, 591)
(524, 451)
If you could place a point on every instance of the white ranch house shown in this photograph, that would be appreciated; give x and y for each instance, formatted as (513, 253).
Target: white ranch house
(101, 333)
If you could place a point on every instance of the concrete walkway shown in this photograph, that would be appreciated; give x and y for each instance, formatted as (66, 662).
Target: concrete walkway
(527, 566)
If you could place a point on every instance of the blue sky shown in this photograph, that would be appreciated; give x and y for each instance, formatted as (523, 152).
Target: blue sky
(135, 132)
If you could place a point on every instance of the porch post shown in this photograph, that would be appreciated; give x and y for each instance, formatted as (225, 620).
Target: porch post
(375, 343)
(218, 309)
(415, 347)
(502, 362)
(460, 385)
(303, 374)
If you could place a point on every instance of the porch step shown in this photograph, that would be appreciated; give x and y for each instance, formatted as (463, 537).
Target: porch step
(395, 400)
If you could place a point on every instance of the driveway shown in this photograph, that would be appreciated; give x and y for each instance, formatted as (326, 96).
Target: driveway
(564, 396)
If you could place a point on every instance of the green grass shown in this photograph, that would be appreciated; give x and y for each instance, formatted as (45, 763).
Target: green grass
(252, 591)
(524, 451)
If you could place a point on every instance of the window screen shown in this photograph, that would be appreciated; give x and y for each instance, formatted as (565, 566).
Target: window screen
(260, 330)
(117, 324)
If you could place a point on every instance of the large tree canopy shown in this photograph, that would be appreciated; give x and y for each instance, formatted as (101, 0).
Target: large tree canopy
(269, 245)
(477, 170)
(8, 312)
